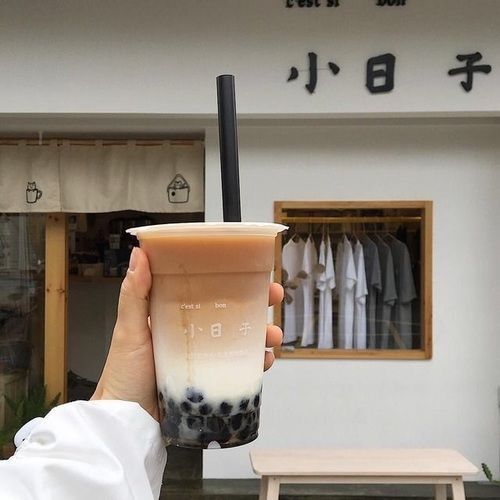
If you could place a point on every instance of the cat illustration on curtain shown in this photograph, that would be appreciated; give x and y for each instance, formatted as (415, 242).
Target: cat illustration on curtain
(178, 190)
(33, 194)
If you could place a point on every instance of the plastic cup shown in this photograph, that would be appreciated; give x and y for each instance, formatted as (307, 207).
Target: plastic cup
(209, 304)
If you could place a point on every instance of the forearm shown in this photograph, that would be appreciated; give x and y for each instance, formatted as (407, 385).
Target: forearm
(97, 449)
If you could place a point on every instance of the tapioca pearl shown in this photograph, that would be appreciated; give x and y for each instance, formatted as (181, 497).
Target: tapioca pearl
(215, 424)
(207, 437)
(244, 404)
(256, 400)
(254, 428)
(244, 433)
(186, 407)
(160, 396)
(174, 417)
(170, 429)
(171, 404)
(225, 408)
(163, 426)
(162, 407)
(205, 409)
(193, 395)
(193, 423)
(224, 434)
(236, 421)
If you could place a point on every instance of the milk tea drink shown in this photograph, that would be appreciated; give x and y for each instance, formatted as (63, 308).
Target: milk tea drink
(209, 304)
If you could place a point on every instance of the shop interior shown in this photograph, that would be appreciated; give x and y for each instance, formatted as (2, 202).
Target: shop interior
(99, 251)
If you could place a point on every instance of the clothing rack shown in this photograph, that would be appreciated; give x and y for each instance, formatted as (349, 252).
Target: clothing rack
(350, 219)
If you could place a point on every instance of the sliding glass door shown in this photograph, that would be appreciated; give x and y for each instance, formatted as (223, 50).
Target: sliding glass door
(22, 313)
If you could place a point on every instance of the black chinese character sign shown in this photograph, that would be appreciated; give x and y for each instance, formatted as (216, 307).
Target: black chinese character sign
(380, 71)
(469, 69)
(313, 71)
(380, 67)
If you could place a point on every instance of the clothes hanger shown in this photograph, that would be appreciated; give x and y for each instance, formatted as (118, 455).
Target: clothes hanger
(294, 237)
(388, 237)
(355, 233)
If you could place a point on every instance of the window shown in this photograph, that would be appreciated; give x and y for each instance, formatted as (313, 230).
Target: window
(357, 279)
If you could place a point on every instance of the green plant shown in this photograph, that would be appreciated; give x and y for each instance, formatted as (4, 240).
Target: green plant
(488, 474)
(30, 405)
(6, 436)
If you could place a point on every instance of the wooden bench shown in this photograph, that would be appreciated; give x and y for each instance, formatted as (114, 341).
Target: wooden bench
(361, 466)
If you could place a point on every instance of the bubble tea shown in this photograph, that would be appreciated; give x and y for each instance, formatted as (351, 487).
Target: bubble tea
(209, 303)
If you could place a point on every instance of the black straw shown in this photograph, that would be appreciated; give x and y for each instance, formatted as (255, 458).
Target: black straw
(228, 142)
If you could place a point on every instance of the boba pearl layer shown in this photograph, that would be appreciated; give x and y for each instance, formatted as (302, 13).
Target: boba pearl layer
(196, 421)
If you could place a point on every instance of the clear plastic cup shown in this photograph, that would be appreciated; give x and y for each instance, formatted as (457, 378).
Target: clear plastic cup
(209, 303)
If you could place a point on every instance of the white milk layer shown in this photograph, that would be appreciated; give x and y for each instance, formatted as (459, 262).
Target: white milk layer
(209, 333)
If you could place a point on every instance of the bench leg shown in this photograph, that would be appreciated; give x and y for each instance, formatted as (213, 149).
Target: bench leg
(269, 488)
(440, 491)
(457, 487)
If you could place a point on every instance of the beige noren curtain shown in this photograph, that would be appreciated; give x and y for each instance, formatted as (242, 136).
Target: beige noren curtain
(65, 177)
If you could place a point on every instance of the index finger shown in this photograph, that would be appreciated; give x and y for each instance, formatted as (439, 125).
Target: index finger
(276, 294)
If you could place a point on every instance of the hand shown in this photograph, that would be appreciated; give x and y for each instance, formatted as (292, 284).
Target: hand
(129, 372)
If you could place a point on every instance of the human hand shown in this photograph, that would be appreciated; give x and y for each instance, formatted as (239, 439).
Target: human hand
(129, 372)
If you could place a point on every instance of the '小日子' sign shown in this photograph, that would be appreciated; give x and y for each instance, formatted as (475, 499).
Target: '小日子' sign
(380, 71)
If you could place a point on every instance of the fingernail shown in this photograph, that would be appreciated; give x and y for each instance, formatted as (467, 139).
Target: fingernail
(133, 259)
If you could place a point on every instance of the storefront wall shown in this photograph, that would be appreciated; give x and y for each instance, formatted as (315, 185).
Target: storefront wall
(160, 59)
(449, 401)
(123, 56)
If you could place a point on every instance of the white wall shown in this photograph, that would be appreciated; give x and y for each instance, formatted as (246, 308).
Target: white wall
(162, 56)
(449, 401)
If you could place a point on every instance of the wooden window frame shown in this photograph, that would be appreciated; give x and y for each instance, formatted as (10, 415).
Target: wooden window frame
(281, 209)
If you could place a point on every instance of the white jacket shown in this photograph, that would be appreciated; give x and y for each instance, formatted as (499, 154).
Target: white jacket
(88, 450)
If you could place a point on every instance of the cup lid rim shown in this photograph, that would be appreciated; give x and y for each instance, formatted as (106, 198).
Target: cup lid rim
(209, 228)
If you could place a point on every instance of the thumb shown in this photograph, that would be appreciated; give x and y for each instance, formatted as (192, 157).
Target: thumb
(132, 328)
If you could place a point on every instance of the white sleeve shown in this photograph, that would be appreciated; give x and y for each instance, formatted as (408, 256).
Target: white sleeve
(85, 450)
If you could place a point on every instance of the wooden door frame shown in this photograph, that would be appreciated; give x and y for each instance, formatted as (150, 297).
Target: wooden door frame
(56, 301)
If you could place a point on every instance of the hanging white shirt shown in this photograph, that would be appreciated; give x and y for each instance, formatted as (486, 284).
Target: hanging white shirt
(345, 273)
(292, 256)
(360, 293)
(88, 450)
(325, 283)
(309, 263)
